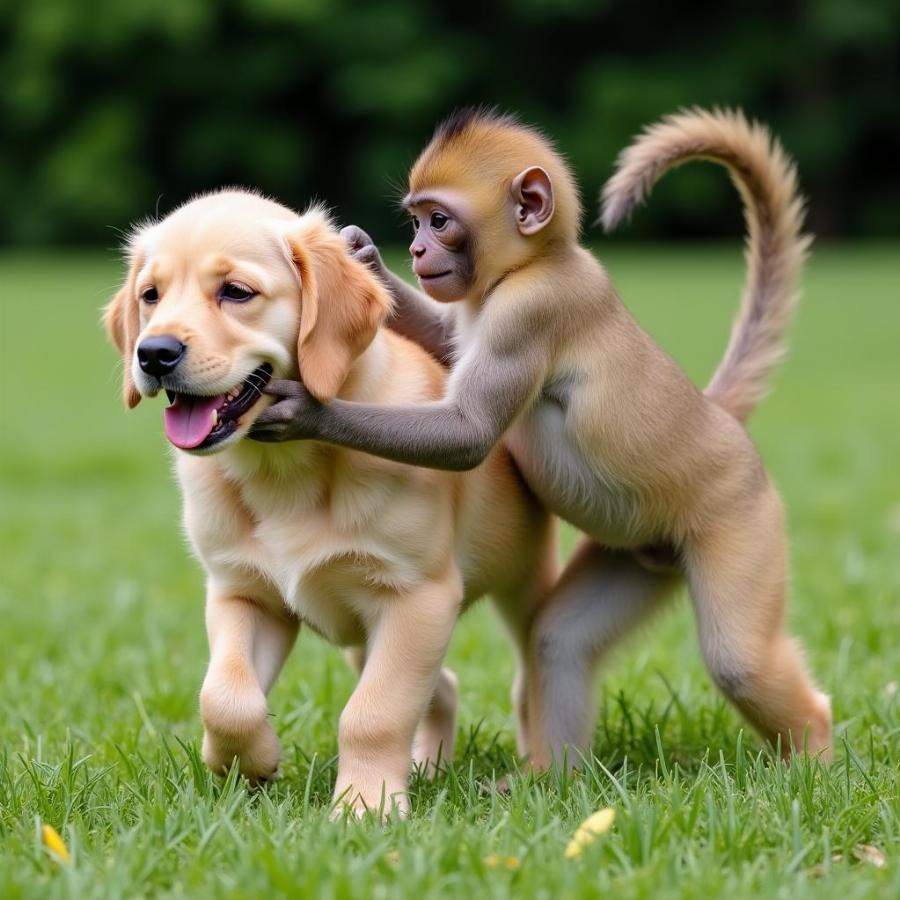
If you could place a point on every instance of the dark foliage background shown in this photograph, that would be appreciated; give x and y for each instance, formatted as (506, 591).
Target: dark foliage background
(110, 108)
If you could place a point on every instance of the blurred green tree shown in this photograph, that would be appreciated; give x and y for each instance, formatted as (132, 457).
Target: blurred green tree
(111, 110)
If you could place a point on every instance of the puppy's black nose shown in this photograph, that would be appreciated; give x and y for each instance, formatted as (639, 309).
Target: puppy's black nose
(159, 355)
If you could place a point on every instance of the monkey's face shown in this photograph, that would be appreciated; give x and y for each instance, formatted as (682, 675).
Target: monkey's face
(441, 247)
(465, 240)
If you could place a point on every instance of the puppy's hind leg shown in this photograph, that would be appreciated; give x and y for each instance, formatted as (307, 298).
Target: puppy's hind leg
(602, 595)
(435, 738)
(738, 579)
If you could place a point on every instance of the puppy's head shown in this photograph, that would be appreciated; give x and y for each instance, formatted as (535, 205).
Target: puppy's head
(227, 292)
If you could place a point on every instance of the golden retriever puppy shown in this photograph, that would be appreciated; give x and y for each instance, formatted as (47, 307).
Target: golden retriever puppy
(224, 294)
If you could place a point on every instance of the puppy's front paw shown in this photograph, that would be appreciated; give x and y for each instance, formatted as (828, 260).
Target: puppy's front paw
(259, 754)
(239, 726)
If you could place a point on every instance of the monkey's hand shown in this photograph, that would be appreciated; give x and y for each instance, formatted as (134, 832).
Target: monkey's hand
(415, 315)
(363, 248)
(295, 415)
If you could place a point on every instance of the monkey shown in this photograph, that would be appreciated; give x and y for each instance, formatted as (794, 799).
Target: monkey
(661, 478)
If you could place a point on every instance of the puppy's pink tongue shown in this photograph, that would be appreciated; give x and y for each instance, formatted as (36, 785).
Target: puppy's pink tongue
(189, 420)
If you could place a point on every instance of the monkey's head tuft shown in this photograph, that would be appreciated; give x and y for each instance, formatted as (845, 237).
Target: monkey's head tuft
(471, 116)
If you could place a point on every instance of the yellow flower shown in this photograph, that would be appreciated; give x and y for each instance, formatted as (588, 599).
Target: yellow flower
(596, 824)
(871, 855)
(495, 861)
(54, 843)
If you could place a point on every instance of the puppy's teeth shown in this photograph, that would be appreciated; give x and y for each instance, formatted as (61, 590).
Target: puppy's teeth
(215, 417)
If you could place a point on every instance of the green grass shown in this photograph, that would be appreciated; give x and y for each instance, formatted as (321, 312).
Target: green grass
(103, 649)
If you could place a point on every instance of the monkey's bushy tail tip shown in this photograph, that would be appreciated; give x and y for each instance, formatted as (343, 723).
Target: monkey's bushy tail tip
(774, 212)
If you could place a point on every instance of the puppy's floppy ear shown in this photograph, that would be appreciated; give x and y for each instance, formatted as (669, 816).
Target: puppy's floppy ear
(120, 316)
(342, 305)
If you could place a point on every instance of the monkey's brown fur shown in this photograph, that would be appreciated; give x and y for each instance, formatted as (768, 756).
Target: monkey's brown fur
(606, 428)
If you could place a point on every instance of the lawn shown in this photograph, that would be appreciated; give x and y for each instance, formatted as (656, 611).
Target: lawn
(103, 648)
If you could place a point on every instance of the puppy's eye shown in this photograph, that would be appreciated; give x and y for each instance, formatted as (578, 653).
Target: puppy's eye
(235, 292)
(438, 221)
(150, 295)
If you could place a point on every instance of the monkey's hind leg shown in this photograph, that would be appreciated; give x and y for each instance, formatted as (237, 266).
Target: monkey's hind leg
(602, 595)
(738, 579)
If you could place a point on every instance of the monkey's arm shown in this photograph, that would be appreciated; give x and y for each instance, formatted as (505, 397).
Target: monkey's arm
(423, 320)
(486, 394)
(416, 316)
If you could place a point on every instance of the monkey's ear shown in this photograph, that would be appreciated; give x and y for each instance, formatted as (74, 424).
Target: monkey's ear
(122, 322)
(532, 192)
(342, 305)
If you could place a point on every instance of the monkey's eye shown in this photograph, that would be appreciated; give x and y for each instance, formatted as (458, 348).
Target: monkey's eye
(235, 292)
(438, 221)
(150, 295)
(415, 223)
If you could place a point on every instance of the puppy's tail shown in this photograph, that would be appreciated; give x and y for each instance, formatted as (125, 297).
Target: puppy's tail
(775, 250)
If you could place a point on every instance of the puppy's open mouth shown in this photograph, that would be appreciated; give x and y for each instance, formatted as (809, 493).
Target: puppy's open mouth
(196, 423)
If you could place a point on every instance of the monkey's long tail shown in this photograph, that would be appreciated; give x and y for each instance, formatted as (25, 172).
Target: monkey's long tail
(775, 248)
